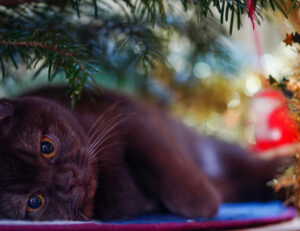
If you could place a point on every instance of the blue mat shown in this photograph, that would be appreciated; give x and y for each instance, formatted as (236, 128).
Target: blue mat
(227, 212)
(239, 215)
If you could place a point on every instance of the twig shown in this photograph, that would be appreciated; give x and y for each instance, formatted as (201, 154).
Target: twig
(45, 46)
(15, 2)
(288, 150)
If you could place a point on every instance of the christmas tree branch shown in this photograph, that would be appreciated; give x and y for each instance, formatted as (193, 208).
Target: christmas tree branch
(16, 2)
(55, 53)
(287, 150)
(120, 40)
(40, 45)
(150, 10)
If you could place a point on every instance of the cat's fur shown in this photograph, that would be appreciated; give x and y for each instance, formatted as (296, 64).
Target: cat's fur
(117, 158)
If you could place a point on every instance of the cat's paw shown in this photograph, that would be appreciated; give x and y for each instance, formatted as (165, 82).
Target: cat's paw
(203, 202)
(202, 208)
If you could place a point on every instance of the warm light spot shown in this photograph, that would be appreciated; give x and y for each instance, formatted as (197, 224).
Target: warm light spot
(253, 85)
(235, 101)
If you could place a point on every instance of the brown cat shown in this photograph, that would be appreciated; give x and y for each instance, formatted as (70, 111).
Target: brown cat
(114, 157)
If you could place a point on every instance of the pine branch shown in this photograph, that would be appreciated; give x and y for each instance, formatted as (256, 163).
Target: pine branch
(138, 41)
(133, 43)
(117, 33)
(148, 10)
(152, 10)
(233, 10)
(229, 10)
(54, 53)
(40, 45)
(21, 2)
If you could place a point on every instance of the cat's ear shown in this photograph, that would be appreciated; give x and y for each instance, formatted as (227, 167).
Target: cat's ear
(6, 108)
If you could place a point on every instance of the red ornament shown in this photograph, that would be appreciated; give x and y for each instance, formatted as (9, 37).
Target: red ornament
(274, 125)
(251, 12)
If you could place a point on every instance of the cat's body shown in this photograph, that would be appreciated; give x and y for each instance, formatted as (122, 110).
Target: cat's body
(119, 156)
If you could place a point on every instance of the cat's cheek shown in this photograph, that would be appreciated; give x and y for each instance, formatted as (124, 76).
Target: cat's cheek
(88, 209)
(91, 188)
(88, 206)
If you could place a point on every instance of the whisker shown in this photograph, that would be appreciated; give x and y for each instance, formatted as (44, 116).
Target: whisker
(103, 137)
(109, 124)
(102, 131)
(96, 149)
(109, 145)
(106, 126)
(80, 214)
(106, 112)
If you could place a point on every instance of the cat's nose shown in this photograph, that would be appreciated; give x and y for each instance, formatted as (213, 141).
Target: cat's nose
(66, 180)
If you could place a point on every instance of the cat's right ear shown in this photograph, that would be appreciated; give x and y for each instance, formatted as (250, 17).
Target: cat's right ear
(6, 108)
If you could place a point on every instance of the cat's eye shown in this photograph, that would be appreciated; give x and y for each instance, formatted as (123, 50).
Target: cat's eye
(48, 147)
(35, 203)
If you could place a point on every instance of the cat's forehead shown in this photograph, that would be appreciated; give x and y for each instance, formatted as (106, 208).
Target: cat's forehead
(34, 116)
(31, 119)
(38, 110)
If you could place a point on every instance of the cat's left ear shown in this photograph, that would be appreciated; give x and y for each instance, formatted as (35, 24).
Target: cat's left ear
(6, 108)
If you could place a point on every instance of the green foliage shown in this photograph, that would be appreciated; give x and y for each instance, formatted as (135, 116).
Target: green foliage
(233, 10)
(82, 37)
(54, 51)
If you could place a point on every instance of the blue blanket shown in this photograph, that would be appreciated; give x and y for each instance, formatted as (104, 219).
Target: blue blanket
(239, 215)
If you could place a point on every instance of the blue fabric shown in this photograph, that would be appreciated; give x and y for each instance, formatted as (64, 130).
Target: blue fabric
(227, 212)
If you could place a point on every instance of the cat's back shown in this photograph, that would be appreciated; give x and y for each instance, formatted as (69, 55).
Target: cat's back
(139, 113)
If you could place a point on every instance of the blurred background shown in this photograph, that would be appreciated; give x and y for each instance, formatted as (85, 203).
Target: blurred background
(190, 65)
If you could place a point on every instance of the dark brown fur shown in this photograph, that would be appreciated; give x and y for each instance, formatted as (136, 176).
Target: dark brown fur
(117, 158)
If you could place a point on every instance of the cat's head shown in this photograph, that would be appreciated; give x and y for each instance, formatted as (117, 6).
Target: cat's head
(46, 170)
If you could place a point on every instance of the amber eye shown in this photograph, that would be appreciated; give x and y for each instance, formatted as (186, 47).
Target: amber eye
(35, 203)
(48, 147)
